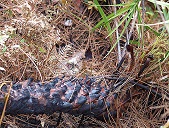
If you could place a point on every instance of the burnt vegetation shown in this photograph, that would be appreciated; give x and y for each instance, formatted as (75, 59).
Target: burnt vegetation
(84, 63)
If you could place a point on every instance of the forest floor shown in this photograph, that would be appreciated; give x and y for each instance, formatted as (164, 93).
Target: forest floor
(45, 39)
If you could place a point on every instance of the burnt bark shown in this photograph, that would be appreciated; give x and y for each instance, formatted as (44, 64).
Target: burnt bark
(87, 96)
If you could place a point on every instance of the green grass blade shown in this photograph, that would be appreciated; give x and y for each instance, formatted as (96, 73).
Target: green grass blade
(113, 15)
(152, 30)
(126, 16)
(105, 19)
(165, 57)
(165, 4)
(126, 25)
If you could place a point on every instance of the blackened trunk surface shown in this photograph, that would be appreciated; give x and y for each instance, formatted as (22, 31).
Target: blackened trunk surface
(88, 96)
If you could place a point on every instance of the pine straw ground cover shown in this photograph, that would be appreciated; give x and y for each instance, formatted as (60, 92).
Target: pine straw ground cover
(39, 38)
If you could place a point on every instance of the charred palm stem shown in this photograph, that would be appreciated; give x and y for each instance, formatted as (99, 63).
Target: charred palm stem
(121, 62)
(130, 55)
(120, 81)
(145, 65)
(86, 96)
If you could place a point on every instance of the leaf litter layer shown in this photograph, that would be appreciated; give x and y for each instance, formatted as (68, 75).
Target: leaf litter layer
(43, 40)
